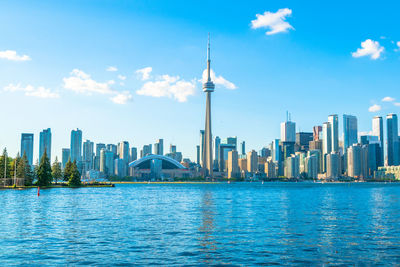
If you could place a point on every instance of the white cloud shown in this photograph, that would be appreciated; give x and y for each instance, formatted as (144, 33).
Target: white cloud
(398, 46)
(374, 108)
(274, 22)
(388, 99)
(168, 86)
(369, 48)
(112, 68)
(122, 98)
(12, 55)
(219, 80)
(122, 77)
(30, 90)
(397, 104)
(81, 82)
(144, 73)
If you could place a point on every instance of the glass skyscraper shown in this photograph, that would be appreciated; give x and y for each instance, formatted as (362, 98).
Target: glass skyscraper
(45, 143)
(392, 140)
(350, 131)
(334, 121)
(76, 145)
(27, 146)
(377, 130)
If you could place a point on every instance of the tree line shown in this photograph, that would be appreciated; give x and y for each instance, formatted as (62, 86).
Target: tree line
(43, 174)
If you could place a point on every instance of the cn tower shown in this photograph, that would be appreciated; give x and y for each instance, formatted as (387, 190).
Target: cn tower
(208, 88)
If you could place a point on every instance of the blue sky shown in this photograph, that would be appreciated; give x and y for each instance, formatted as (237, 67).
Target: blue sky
(55, 57)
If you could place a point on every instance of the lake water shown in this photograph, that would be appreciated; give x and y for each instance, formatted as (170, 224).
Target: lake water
(202, 224)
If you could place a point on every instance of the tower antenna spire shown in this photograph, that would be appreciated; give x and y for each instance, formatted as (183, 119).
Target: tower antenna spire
(208, 60)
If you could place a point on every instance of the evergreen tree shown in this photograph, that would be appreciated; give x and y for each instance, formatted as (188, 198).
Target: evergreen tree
(68, 170)
(44, 171)
(5, 161)
(56, 170)
(24, 170)
(75, 176)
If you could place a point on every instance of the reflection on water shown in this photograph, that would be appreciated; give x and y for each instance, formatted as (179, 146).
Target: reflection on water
(207, 228)
(206, 224)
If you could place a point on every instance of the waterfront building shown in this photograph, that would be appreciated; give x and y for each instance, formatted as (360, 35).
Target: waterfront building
(27, 146)
(120, 167)
(392, 140)
(233, 167)
(311, 166)
(242, 163)
(230, 141)
(388, 172)
(198, 154)
(146, 151)
(377, 130)
(45, 143)
(265, 152)
(333, 165)
(292, 167)
(107, 162)
(333, 120)
(65, 156)
(99, 147)
(172, 148)
(252, 161)
(354, 155)
(317, 153)
(276, 150)
(287, 150)
(350, 131)
(76, 145)
(123, 151)
(270, 169)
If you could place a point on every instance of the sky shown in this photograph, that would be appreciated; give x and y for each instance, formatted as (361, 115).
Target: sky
(132, 70)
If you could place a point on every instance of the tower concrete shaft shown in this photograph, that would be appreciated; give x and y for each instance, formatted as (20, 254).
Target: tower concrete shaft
(208, 88)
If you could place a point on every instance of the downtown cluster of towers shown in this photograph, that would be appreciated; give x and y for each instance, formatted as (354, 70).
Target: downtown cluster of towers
(95, 160)
(317, 154)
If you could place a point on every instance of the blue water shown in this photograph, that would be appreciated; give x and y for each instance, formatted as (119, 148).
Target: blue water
(203, 224)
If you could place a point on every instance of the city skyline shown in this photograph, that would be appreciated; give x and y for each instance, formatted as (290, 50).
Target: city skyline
(262, 74)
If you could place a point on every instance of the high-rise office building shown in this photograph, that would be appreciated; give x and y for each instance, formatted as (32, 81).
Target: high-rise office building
(332, 165)
(146, 151)
(233, 167)
(223, 155)
(65, 156)
(243, 148)
(354, 161)
(377, 130)
(311, 167)
(107, 162)
(208, 88)
(198, 154)
(292, 166)
(392, 140)
(113, 148)
(276, 150)
(124, 151)
(27, 146)
(172, 148)
(201, 147)
(350, 131)
(217, 144)
(45, 143)
(88, 155)
(252, 161)
(159, 147)
(333, 120)
(76, 145)
(99, 147)
(326, 138)
(303, 140)
(230, 141)
(288, 131)
(133, 154)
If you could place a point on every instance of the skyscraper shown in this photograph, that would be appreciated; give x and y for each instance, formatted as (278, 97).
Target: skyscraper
(88, 153)
(333, 120)
(243, 148)
(326, 138)
(65, 155)
(252, 161)
(288, 131)
(76, 145)
(27, 146)
(159, 147)
(350, 131)
(133, 154)
(124, 151)
(377, 130)
(45, 143)
(316, 132)
(217, 144)
(392, 140)
(201, 147)
(208, 88)
(233, 167)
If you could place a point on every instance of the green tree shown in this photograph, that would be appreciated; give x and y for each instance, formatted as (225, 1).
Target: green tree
(75, 176)
(24, 170)
(56, 170)
(44, 171)
(68, 170)
(5, 161)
